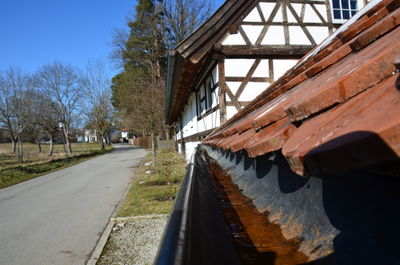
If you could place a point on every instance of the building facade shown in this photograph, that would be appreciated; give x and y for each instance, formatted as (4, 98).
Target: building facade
(237, 54)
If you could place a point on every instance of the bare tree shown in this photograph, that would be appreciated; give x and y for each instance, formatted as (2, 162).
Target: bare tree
(99, 101)
(15, 106)
(63, 85)
(45, 119)
(182, 17)
(6, 111)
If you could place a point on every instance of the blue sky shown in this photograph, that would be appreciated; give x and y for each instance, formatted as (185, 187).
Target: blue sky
(37, 32)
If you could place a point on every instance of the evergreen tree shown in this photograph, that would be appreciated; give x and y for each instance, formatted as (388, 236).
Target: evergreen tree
(138, 91)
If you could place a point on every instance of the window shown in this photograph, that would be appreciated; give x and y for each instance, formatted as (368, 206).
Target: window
(344, 9)
(202, 99)
(206, 94)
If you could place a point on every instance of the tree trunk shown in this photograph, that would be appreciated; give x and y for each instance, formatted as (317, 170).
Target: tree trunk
(13, 146)
(51, 147)
(39, 146)
(64, 145)
(20, 150)
(167, 136)
(69, 148)
(102, 142)
(154, 147)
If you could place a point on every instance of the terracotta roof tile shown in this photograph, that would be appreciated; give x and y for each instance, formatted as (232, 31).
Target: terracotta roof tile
(363, 131)
(337, 109)
(271, 138)
(239, 143)
(348, 77)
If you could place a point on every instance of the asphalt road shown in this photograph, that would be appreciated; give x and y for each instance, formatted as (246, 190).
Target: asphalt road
(58, 218)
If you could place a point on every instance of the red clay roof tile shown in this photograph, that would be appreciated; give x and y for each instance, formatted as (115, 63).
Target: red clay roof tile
(361, 132)
(239, 143)
(343, 93)
(356, 72)
(271, 138)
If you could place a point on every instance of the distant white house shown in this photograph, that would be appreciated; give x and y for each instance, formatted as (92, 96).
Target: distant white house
(91, 136)
(120, 135)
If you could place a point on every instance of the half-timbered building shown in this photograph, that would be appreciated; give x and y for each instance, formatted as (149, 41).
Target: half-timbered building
(237, 54)
(308, 172)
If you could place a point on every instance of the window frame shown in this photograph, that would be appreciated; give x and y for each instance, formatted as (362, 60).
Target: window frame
(209, 85)
(360, 4)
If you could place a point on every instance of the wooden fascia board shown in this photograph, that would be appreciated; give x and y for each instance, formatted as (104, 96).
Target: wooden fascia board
(172, 83)
(185, 44)
(269, 52)
(216, 29)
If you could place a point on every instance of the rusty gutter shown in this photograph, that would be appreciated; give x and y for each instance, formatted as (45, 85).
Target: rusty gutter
(196, 232)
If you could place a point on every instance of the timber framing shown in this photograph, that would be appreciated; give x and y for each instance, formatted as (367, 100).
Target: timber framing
(245, 30)
(195, 137)
(186, 61)
(266, 52)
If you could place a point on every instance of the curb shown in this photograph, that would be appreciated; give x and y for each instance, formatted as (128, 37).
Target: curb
(107, 231)
(140, 217)
(100, 245)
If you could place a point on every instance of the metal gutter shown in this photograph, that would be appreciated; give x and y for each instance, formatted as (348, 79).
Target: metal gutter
(170, 82)
(196, 232)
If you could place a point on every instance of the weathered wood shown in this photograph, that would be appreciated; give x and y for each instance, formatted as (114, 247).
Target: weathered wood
(318, 14)
(247, 78)
(302, 12)
(260, 13)
(299, 2)
(271, 70)
(221, 92)
(242, 103)
(266, 27)
(307, 24)
(196, 137)
(303, 27)
(232, 97)
(252, 79)
(285, 20)
(208, 112)
(270, 51)
(244, 36)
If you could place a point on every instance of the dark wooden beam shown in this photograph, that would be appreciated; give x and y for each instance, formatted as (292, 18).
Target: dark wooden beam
(196, 137)
(252, 79)
(298, 2)
(271, 51)
(221, 91)
(248, 76)
(299, 24)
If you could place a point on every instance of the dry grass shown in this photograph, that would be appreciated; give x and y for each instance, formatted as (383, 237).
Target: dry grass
(33, 156)
(37, 164)
(154, 187)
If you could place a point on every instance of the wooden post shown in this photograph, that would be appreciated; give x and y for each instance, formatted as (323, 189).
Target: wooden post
(222, 90)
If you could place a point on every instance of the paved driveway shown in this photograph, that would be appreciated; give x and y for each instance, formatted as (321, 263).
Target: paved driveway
(58, 218)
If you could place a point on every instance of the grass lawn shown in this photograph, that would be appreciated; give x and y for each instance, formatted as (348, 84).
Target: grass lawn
(154, 188)
(37, 164)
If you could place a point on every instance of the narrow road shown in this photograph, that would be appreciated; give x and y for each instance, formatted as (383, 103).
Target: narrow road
(58, 218)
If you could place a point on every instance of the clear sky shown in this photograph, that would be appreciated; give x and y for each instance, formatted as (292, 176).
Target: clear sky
(37, 32)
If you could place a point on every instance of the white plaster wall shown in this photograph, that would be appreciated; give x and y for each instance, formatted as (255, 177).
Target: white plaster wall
(230, 111)
(252, 90)
(275, 34)
(179, 148)
(190, 148)
(281, 66)
(190, 122)
(237, 67)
